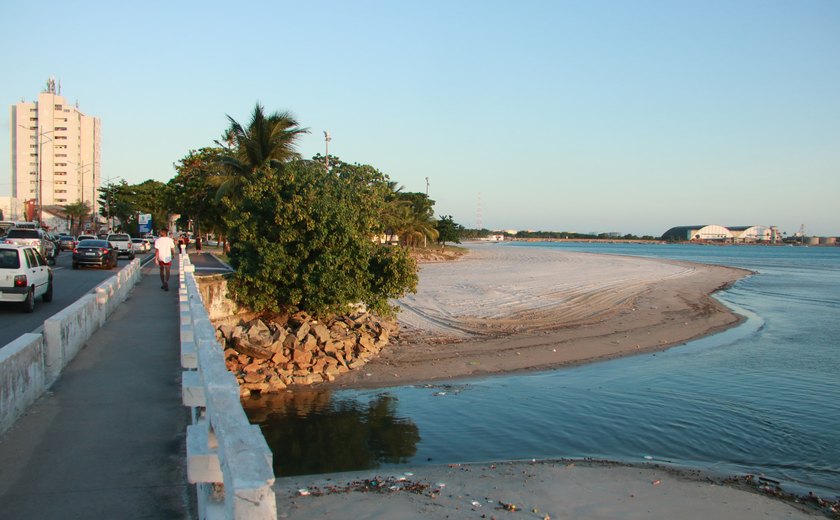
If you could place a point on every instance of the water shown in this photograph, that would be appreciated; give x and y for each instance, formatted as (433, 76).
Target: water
(762, 398)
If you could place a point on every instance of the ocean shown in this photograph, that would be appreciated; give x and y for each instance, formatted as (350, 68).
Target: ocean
(762, 398)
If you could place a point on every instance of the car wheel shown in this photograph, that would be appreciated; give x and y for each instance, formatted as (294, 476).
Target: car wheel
(48, 296)
(75, 265)
(29, 302)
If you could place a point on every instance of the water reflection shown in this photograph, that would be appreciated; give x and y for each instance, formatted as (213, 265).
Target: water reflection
(311, 432)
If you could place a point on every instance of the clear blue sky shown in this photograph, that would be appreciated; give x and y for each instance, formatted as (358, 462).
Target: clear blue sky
(629, 116)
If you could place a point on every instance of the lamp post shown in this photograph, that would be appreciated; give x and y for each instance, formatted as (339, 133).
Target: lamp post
(327, 139)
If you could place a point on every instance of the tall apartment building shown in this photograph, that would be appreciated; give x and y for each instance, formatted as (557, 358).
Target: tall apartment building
(55, 152)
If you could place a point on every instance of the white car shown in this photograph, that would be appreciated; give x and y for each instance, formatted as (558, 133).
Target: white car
(122, 241)
(24, 276)
(140, 245)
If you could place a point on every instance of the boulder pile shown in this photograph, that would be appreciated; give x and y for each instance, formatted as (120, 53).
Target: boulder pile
(268, 354)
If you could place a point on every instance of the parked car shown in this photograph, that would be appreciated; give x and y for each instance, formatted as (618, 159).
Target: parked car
(101, 253)
(122, 241)
(24, 276)
(66, 242)
(140, 245)
(36, 238)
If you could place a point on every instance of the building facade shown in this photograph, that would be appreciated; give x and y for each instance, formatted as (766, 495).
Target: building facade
(55, 152)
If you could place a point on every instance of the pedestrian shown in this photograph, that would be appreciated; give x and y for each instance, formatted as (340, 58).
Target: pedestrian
(164, 251)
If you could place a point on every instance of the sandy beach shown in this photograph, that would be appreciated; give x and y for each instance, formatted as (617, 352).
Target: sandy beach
(506, 309)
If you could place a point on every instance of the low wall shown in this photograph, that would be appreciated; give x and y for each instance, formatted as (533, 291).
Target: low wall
(22, 377)
(33, 362)
(213, 291)
(223, 449)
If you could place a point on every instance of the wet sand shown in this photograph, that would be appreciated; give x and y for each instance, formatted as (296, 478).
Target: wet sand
(509, 309)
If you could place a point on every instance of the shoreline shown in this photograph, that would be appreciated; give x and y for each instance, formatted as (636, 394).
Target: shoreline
(545, 489)
(497, 311)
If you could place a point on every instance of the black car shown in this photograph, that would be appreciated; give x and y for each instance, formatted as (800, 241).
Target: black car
(95, 252)
(67, 242)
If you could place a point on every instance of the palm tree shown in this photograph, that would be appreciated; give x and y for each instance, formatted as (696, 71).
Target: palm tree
(76, 212)
(267, 142)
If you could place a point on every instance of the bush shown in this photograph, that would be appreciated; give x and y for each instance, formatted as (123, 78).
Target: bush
(301, 239)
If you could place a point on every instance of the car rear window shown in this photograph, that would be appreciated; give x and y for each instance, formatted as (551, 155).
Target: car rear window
(9, 259)
(22, 233)
(93, 243)
(121, 238)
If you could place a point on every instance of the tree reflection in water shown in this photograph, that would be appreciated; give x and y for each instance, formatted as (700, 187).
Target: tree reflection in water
(309, 432)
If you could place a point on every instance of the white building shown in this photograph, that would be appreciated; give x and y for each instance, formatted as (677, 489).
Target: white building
(55, 152)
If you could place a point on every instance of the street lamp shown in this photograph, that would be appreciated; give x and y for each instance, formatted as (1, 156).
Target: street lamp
(327, 139)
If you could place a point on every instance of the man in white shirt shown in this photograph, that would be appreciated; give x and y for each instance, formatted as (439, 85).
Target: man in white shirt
(164, 251)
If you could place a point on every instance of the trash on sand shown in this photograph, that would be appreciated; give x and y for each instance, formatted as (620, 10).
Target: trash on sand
(656, 482)
(438, 394)
(507, 507)
(476, 503)
(303, 492)
(648, 457)
(440, 485)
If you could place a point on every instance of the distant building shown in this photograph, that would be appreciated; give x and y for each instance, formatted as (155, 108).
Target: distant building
(714, 232)
(55, 152)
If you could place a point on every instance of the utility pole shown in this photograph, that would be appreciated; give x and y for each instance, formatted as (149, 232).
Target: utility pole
(427, 186)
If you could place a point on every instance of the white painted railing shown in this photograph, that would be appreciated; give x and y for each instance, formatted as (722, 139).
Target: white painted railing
(227, 457)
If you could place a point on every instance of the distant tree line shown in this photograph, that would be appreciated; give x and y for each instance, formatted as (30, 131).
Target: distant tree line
(474, 234)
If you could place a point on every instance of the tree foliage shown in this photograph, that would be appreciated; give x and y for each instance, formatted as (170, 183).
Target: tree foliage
(301, 238)
(448, 230)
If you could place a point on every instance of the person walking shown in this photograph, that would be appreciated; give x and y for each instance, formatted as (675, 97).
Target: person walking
(164, 252)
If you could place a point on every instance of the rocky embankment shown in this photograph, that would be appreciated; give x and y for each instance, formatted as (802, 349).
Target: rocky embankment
(271, 353)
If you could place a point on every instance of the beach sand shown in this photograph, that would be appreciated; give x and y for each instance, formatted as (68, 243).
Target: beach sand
(507, 309)
(527, 490)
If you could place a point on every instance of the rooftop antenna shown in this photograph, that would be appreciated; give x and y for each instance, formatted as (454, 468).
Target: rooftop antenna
(427, 186)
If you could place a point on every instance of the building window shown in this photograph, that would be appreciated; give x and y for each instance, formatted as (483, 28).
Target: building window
(58, 107)
(61, 182)
(61, 200)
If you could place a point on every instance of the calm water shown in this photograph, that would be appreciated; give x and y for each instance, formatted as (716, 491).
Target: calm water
(762, 398)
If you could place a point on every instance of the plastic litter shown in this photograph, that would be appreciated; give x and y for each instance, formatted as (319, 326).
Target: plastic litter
(303, 492)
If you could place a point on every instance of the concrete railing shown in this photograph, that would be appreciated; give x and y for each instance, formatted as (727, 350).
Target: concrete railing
(227, 457)
(31, 364)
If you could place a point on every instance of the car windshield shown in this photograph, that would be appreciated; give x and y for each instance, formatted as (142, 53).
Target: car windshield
(94, 243)
(9, 259)
(22, 233)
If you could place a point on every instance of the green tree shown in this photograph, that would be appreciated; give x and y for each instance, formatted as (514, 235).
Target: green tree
(192, 192)
(77, 212)
(448, 230)
(266, 142)
(301, 238)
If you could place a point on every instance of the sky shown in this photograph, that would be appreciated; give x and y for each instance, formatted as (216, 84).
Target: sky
(587, 116)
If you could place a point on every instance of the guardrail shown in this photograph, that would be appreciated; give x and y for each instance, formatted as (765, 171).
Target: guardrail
(30, 364)
(228, 458)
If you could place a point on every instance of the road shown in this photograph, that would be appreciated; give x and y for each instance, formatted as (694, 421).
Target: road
(69, 286)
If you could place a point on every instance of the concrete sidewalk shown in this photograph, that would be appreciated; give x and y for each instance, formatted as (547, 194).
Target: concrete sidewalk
(108, 439)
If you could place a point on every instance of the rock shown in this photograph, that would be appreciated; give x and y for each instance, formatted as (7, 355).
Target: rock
(301, 356)
(280, 358)
(254, 351)
(309, 342)
(254, 377)
(302, 331)
(321, 333)
(226, 330)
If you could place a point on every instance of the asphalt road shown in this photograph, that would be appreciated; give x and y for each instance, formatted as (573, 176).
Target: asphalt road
(69, 286)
